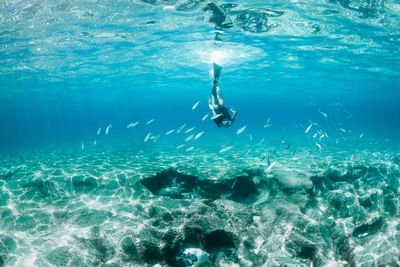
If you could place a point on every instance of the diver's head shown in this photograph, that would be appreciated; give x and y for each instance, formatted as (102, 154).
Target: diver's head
(226, 123)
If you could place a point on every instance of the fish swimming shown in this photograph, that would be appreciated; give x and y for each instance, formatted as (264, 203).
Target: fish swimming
(169, 132)
(189, 138)
(216, 116)
(267, 123)
(180, 146)
(308, 129)
(133, 124)
(225, 149)
(180, 128)
(189, 149)
(108, 128)
(189, 130)
(241, 130)
(195, 105)
(98, 131)
(324, 114)
(269, 167)
(205, 117)
(150, 121)
(198, 135)
(147, 137)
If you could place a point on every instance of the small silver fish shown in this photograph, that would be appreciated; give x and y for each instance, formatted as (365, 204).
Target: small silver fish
(180, 128)
(241, 130)
(150, 121)
(343, 130)
(108, 128)
(308, 129)
(261, 141)
(180, 146)
(216, 116)
(189, 149)
(205, 117)
(315, 135)
(98, 131)
(319, 146)
(189, 138)
(169, 132)
(198, 135)
(267, 123)
(324, 114)
(270, 167)
(83, 146)
(225, 149)
(147, 137)
(361, 135)
(133, 124)
(94, 142)
(195, 105)
(189, 130)
(322, 136)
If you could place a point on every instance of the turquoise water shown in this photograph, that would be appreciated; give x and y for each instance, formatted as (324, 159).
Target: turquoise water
(108, 155)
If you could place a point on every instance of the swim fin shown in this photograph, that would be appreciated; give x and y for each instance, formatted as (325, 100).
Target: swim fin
(217, 71)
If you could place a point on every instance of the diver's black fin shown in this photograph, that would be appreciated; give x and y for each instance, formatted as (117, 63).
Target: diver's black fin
(217, 71)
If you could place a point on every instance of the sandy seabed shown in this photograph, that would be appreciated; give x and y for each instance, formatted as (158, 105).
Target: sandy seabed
(156, 204)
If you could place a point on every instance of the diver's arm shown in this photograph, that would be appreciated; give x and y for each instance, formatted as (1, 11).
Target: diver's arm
(234, 113)
(211, 107)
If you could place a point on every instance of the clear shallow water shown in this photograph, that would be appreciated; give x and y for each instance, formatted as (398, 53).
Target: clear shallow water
(72, 197)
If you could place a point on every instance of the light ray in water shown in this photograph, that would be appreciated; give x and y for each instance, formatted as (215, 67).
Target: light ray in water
(195, 105)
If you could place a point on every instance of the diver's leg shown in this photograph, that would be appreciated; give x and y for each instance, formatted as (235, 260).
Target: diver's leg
(214, 97)
(219, 95)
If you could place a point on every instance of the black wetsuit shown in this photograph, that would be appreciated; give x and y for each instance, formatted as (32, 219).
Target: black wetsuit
(225, 120)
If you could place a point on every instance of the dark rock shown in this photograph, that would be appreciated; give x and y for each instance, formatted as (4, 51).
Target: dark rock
(150, 251)
(193, 235)
(215, 189)
(173, 240)
(218, 240)
(373, 226)
(244, 190)
(129, 248)
(171, 183)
